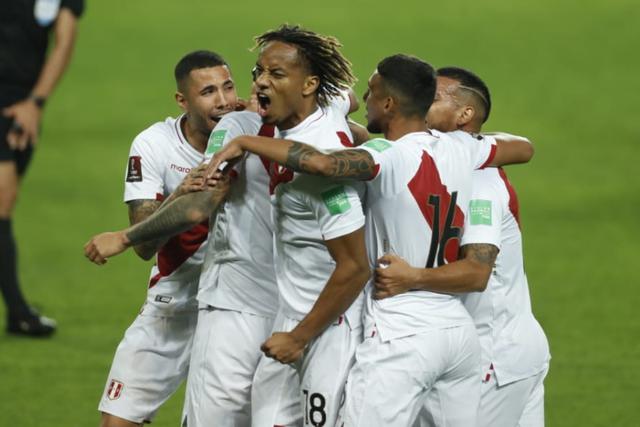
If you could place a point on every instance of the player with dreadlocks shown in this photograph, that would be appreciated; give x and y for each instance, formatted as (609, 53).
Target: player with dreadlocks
(320, 259)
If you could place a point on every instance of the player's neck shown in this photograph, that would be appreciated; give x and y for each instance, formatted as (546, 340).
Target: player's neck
(298, 116)
(195, 138)
(400, 126)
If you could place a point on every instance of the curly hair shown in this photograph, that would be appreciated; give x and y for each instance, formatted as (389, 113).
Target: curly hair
(321, 54)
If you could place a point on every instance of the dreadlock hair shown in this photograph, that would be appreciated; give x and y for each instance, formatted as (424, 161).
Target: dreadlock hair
(321, 56)
(471, 82)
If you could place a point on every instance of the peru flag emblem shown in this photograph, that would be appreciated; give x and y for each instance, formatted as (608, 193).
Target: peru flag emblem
(115, 389)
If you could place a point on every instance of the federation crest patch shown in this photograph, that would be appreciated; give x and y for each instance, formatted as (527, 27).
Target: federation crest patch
(115, 390)
(378, 144)
(480, 212)
(215, 141)
(336, 200)
(134, 170)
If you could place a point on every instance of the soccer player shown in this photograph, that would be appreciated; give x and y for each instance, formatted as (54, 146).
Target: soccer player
(515, 352)
(417, 193)
(152, 360)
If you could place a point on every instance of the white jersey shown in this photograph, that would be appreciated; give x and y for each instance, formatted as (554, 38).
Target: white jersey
(238, 272)
(511, 338)
(159, 159)
(309, 210)
(415, 208)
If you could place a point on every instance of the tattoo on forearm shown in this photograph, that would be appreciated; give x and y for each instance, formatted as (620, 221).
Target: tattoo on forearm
(180, 215)
(353, 164)
(483, 253)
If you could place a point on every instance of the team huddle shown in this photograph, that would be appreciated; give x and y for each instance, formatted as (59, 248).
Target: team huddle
(308, 275)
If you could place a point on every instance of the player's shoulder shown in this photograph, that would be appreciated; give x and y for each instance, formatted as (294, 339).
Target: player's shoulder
(159, 135)
(245, 120)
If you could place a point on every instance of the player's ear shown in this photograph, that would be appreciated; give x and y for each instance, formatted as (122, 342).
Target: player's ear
(390, 104)
(465, 115)
(181, 100)
(310, 85)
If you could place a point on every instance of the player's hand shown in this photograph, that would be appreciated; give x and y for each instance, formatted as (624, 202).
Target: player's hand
(26, 124)
(393, 276)
(194, 181)
(105, 245)
(283, 347)
(223, 159)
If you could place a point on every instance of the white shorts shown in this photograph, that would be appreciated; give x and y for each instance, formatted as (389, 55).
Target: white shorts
(150, 363)
(392, 381)
(315, 395)
(226, 351)
(520, 403)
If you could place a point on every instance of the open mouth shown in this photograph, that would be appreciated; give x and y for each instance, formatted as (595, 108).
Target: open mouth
(263, 104)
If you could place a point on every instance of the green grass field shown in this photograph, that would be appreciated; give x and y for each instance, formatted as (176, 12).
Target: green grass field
(563, 73)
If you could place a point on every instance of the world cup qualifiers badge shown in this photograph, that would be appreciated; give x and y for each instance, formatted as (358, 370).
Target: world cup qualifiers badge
(134, 171)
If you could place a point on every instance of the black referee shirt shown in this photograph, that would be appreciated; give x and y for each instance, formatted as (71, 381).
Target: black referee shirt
(24, 37)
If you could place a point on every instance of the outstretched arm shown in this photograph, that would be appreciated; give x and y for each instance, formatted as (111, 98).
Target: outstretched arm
(469, 274)
(178, 216)
(345, 284)
(352, 164)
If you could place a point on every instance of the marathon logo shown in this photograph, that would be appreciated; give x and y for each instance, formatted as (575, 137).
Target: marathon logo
(134, 171)
(115, 390)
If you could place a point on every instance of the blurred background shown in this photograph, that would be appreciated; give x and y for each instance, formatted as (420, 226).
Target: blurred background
(563, 73)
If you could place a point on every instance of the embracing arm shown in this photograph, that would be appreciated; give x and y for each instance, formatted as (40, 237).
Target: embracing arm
(343, 287)
(511, 149)
(352, 164)
(469, 274)
(179, 215)
(140, 210)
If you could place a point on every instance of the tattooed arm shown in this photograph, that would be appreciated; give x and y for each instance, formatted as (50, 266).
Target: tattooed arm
(180, 215)
(139, 210)
(469, 274)
(352, 164)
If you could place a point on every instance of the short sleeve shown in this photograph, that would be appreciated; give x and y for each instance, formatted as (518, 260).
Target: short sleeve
(390, 166)
(338, 209)
(483, 222)
(482, 147)
(144, 172)
(75, 6)
(341, 103)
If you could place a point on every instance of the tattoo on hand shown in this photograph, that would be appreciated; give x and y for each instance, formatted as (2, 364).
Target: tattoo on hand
(353, 164)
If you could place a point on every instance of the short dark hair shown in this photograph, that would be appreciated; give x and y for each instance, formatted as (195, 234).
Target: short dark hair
(472, 82)
(196, 60)
(412, 79)
(321, 54)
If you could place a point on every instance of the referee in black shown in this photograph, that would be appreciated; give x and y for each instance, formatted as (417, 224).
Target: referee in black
(28, 75)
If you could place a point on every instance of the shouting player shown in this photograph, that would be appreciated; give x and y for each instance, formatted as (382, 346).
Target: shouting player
(515, 352)
(417, 192)
(153, 358)
(320, 254)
